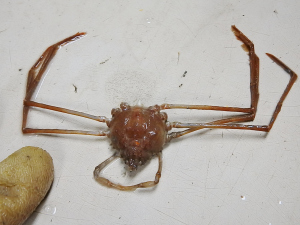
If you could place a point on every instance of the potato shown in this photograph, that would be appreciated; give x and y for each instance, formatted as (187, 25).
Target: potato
(25, 178)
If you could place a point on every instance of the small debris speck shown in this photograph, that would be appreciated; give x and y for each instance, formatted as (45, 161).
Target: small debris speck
(75, 88)
(104, 61)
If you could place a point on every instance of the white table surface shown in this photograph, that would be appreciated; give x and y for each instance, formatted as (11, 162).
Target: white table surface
(130, 53)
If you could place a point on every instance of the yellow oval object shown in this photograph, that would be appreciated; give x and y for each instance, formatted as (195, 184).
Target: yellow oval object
(25, 178)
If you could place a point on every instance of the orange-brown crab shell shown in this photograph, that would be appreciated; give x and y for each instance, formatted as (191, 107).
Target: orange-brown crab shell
(138, 132)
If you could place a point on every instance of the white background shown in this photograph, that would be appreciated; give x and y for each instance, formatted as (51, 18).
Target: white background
(139, 50)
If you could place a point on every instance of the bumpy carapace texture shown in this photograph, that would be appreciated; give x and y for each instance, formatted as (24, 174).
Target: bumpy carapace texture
(138, 133)
(25, 178)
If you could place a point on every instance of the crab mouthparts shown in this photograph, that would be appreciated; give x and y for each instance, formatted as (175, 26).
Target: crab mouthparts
(133, 164)
(134, 157)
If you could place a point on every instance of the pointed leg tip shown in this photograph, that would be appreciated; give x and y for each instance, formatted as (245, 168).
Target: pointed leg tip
(270, 55)
(235, 30)
(81, 34)
(275, 59)
(283, 66)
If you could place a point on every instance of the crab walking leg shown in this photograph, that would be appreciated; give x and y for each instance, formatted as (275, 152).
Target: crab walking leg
(37, 71)
(265, 128)
(68, 111)
(254, 79)
(254, 67)
(110, 184)
(287, 89)
(205, 107)
(238, 118)
(62, 131)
